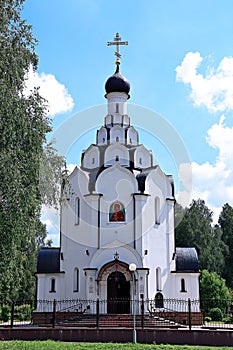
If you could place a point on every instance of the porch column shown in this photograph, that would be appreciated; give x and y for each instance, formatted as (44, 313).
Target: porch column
(91, 286)
(142, 282)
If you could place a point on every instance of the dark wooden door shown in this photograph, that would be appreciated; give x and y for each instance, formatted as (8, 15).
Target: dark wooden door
(118, 294)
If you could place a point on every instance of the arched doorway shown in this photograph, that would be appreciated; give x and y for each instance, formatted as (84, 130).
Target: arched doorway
(159, 300)
(118, 293)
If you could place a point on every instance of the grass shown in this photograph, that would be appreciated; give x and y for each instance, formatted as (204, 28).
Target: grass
(53, 345)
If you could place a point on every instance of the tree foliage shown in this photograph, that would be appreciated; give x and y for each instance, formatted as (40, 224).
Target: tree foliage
(23, 126)
(52, 175)
(196, 230)
(213, 291)
(226, 223)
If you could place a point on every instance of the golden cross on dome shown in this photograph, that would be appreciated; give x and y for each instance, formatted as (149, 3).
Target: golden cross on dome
(117, 42)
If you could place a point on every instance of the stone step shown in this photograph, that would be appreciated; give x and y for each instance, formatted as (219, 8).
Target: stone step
(116, 320)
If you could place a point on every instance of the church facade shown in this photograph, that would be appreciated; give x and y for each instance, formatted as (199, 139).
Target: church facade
(117, 209)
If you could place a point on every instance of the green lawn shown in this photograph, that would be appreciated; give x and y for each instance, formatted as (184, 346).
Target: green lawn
(52, 345)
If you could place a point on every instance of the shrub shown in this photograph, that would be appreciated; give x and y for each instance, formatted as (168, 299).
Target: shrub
(216, 314)
(208, 319)
(23, 312)
(5, 313)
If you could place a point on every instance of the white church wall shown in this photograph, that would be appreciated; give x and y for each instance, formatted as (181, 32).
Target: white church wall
(173, 288)
(107, 253)
(77, 222)
(116, 184)
(156, 241)
(48, 291)
(117, 103)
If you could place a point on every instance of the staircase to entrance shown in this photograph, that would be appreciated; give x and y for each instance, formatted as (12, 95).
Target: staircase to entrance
(116, 321)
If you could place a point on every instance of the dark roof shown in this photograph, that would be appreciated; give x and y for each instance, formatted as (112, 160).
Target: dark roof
(186, 260)
(48, 260)
(117, 83)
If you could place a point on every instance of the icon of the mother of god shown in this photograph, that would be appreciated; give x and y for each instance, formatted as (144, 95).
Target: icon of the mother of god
(117, 212)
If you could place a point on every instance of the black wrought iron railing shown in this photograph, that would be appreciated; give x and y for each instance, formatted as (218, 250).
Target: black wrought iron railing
(118, 312)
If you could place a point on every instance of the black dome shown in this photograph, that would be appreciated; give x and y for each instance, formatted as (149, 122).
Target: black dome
(117, 83)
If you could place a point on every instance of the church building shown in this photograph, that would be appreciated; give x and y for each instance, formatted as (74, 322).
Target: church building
(117, 215)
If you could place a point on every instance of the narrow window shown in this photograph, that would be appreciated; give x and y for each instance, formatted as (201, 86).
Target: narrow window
(52, 285)
(117, 107)
(93, 160)
(117, 158)
(157, 210)
(103, 139)
(117, 139)
(183, 285)
(158, 279)
(140, 160)
(76, 279)
(77, 210)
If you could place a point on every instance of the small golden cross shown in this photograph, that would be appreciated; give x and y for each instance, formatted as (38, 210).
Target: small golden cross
(117, 41)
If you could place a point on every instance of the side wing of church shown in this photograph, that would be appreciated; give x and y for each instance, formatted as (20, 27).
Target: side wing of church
(117, 209)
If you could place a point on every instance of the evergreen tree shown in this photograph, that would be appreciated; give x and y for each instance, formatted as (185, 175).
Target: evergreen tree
(23, 126)
(196, 230)
(226, 223)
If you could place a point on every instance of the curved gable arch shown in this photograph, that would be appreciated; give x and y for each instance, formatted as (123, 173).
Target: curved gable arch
(114, 266)
(102, 136)
(117, 134)
(142, 158)
(122, 181)
(132, 136)
(116, 152)
(91, 158)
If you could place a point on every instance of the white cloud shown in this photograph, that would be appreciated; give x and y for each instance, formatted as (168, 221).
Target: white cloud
(57, 95)
(212, 90)
(50, 217)
(214, 182)
(70, 168)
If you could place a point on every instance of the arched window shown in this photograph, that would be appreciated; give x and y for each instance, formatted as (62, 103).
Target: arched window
(159, 300)
(77, 210)
(116, 212)
(117, 159)
(52, 285)
(157, 210)
(117, 107)
(76, 279)
(158, 279)
(117, 139)
(183, 290)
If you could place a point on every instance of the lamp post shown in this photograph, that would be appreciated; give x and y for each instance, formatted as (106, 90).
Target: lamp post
(132, 268)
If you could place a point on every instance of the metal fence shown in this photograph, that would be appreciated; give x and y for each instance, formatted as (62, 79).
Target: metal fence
(97, 313)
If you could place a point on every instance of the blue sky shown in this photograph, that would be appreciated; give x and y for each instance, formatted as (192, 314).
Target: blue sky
(179, 62)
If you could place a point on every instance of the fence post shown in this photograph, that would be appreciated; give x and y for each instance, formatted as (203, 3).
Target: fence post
(97, 313)
(142, 310)
(12, 313)
(54, 313)
(190, 314)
